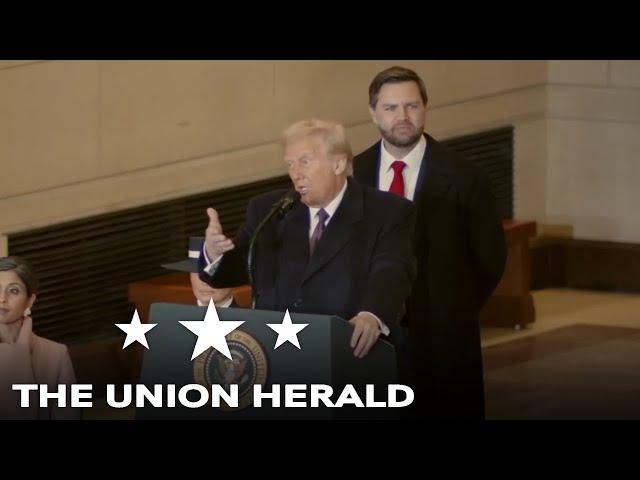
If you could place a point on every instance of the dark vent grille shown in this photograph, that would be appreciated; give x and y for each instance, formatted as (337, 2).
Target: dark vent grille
(84, 266)
(493, 152)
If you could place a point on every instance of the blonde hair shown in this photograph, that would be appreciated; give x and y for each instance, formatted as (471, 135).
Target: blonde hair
(332, 135)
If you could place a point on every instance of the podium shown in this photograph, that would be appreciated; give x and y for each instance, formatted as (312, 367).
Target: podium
(325, 358)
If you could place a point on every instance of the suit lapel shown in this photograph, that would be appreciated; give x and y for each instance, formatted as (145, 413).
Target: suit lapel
(434, 176)
(434, 179)
(339, 230)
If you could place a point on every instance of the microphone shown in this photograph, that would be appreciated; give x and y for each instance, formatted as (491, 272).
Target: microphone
(280, 208)
(286, 203)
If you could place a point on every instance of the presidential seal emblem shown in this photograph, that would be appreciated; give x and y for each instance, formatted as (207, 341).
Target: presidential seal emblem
(247, 367)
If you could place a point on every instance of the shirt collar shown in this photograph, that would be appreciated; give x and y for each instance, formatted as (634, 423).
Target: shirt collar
(332, 206)
(412, 159)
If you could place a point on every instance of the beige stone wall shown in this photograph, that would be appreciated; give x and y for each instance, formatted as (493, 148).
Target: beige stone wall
(80, 138)
(593, 142)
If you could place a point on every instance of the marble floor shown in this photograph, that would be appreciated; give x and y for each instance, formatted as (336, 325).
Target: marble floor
(580, 360)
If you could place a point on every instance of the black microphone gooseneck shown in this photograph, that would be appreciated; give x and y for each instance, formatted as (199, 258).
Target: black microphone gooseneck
(280, 208)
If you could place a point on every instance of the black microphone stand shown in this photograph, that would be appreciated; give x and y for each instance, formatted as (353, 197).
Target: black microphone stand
(281, 207)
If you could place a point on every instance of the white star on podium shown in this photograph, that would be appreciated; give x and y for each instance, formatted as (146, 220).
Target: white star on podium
(287, 331)
(136, 331)
(211, 332)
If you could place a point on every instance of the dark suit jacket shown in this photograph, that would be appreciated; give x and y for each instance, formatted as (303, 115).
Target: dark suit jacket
(363, 262)
(461, 253)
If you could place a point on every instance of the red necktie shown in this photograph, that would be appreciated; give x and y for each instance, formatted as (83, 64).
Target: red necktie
(397, 184)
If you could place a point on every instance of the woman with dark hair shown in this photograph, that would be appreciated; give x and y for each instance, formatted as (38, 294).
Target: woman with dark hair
(24, 356)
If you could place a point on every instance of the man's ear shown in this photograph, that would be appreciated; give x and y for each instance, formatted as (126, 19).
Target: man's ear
(340, 165)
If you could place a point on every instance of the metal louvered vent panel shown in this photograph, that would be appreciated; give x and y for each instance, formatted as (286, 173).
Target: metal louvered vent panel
(493, 152)
(85, 266)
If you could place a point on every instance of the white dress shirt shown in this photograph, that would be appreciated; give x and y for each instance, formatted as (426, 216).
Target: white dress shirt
(413, 159)
(330, 209)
